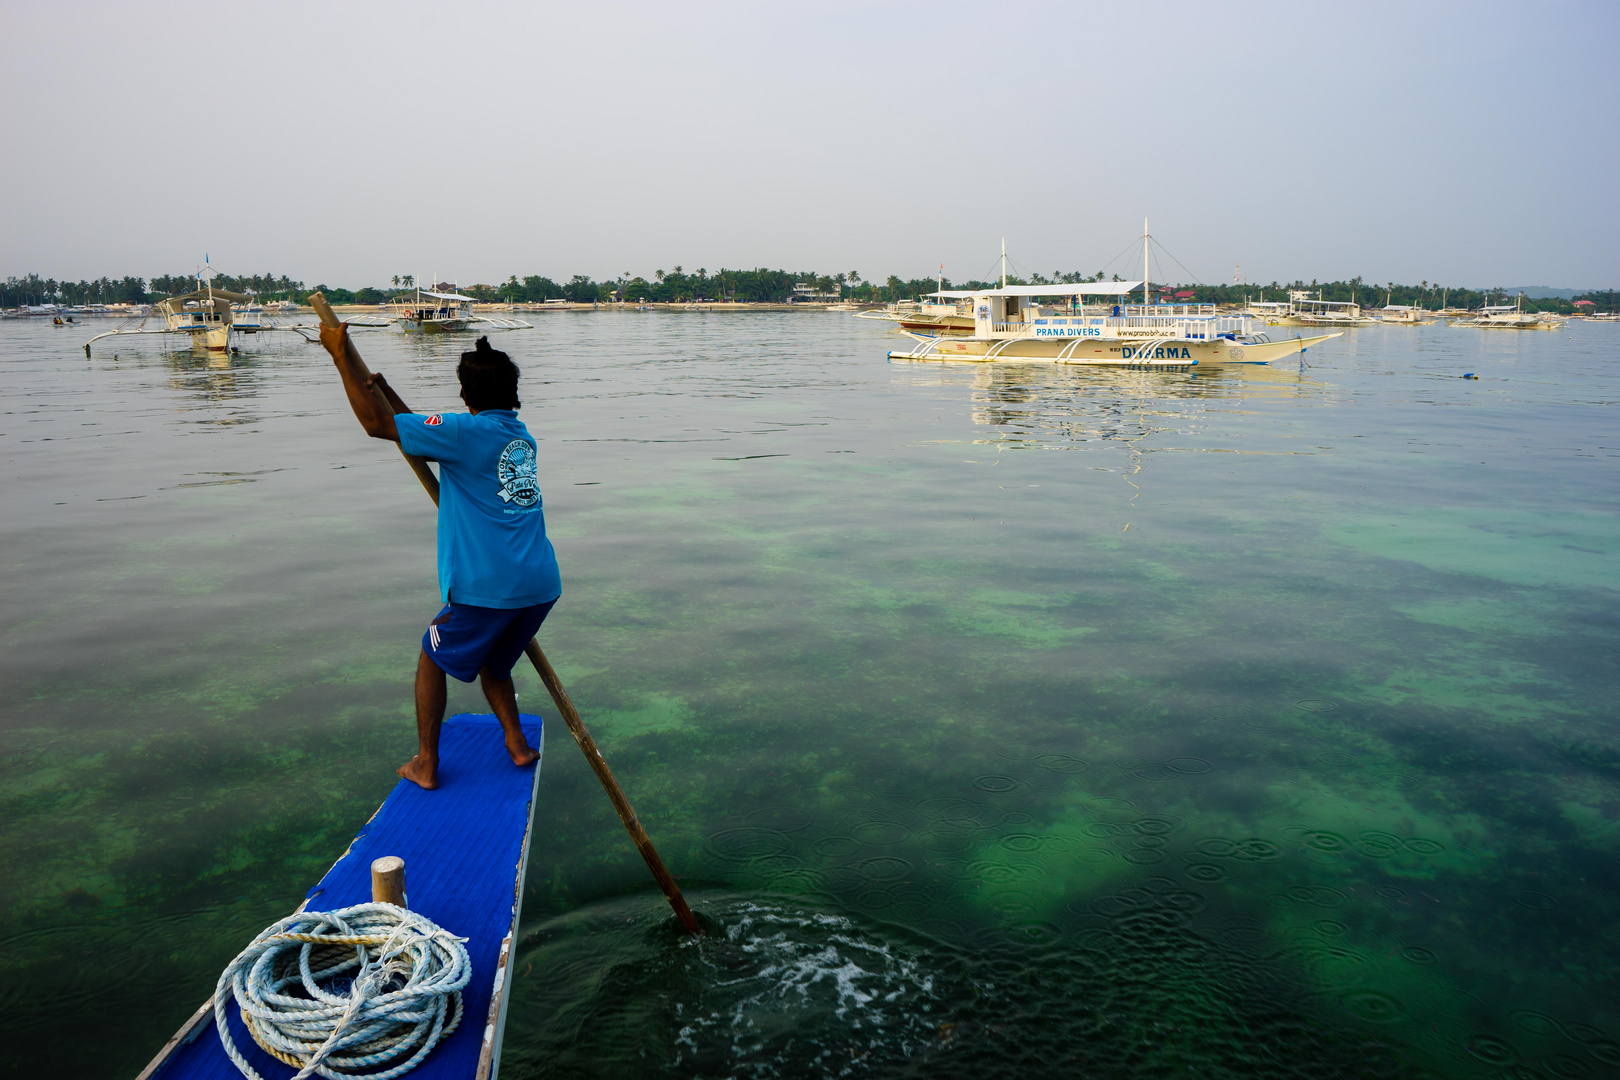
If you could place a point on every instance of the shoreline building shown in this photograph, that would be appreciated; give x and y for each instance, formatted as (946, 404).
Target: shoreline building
(804, 292)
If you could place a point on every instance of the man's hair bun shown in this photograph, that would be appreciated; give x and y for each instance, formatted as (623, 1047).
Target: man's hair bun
(488, 377)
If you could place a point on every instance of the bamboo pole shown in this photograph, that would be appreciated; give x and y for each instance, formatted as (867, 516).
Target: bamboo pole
(358, 369)
(599, 765)
(548, 675)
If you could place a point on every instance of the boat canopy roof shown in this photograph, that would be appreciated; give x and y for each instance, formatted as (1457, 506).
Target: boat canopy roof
(953, 294)
(217, 294)
(446, 296)
(1098, 288)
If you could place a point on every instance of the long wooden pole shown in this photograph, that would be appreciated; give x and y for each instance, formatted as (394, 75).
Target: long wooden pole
(548, 674)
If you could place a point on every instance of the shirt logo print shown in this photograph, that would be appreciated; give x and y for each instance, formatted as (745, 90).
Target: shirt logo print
(433, 421)
(516, 472)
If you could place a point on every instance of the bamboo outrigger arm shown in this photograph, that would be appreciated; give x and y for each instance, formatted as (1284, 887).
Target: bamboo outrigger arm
(548, 675)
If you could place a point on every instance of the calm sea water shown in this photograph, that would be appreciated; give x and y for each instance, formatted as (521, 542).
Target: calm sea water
(1010, 721)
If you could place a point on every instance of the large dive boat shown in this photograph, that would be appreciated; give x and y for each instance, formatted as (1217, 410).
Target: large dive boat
(1009, 325)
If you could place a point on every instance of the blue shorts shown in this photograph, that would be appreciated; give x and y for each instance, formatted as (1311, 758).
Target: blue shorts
(464, 638)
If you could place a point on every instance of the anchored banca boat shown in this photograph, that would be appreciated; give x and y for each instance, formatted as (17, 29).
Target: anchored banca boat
(1007, 325)
(441, 312)
(206, 315)
(1405, 314)
(1509, 317)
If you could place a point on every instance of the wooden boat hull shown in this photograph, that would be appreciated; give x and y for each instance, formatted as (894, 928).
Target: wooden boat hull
(466, 852)
(1094, 352)
(433, 326)
(210, 338)
(1490, 325)
(955, 325)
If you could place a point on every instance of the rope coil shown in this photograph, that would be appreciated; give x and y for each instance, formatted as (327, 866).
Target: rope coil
(338, 992)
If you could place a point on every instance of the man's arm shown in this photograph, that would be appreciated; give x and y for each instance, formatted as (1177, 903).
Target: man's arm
(377, 421)
(381, 383)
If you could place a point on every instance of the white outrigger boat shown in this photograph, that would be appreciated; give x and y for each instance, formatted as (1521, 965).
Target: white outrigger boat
(1174, 337)
(1270, 312)
(432, 312)
(1314, 311)
(1305, 309)
(895, 311)
(1509, 317)
(1403, 314)
(1006, 325)
(207, 315)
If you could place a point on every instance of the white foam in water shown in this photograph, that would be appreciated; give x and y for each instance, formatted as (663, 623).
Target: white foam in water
(822, 997)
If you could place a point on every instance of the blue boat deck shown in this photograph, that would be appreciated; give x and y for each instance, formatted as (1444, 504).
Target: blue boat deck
(465, 847)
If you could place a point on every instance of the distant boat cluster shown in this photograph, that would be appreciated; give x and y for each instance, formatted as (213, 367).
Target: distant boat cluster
(1303, 309)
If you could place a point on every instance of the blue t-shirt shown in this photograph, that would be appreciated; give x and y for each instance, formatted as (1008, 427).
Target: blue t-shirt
(493, 550)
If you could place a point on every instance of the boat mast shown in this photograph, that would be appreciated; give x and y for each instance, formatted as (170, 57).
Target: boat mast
(1003, 262)
(1145, 300)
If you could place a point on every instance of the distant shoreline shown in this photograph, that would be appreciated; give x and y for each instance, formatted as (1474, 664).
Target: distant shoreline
(487, 309)
(530, 309)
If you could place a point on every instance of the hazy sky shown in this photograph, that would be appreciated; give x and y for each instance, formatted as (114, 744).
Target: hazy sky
(346, 143)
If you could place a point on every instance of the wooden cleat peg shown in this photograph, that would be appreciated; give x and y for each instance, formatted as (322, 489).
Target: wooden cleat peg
(388, 881)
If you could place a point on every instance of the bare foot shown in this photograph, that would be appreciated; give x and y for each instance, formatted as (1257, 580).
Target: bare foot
(524, 756)
(419, 773)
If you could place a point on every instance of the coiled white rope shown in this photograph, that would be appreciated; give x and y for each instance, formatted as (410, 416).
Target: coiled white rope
(336, 992)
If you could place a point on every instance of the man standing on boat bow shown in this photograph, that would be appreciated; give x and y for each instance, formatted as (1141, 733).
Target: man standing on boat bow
(497, 571)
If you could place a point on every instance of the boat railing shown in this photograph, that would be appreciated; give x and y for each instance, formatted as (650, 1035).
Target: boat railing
(1195, 328)
(1177, 311)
